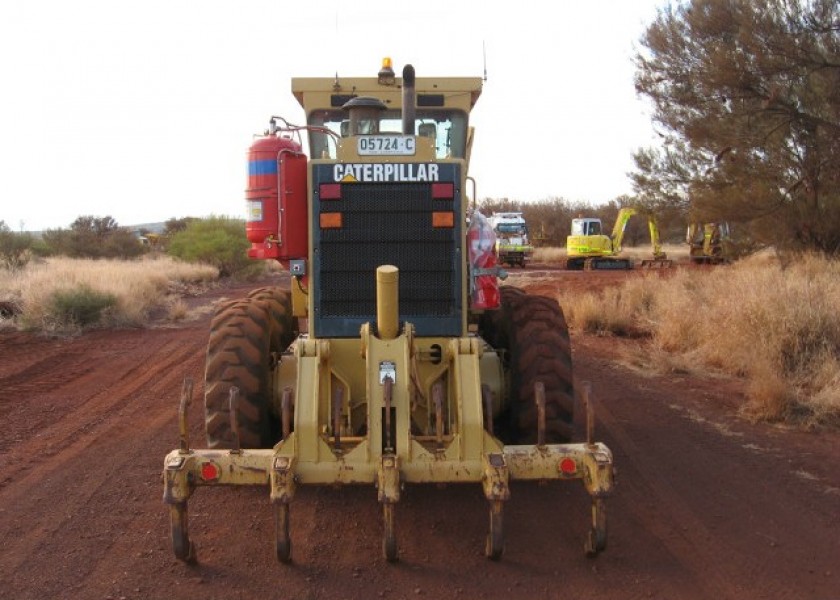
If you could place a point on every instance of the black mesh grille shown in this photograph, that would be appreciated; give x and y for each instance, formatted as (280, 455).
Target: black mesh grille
(388, 223)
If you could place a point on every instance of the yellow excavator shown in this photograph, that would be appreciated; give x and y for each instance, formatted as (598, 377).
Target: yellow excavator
(589, 248)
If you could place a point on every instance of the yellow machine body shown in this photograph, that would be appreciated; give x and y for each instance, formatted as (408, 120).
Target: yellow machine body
(390, 378)
(709, 243)
(589, 248)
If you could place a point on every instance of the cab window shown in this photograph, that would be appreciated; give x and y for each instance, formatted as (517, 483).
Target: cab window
(448, 129)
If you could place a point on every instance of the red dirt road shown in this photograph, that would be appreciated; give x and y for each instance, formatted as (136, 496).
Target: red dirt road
(707, 505)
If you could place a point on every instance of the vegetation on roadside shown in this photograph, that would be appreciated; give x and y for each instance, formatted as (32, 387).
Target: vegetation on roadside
(775, 324)
(217, 241)
(96, 273)
(67, 295)
(93, 237)
(15, 248)
(744, 100)
(80, 306)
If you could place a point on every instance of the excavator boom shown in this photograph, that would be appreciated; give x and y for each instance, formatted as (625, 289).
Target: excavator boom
(660, 260)
(620, 225)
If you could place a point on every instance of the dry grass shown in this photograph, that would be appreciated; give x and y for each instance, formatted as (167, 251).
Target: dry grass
(778, 327)
(676, 252)
(177, 310)
(138, 286)
(624, 311)
(549, 255)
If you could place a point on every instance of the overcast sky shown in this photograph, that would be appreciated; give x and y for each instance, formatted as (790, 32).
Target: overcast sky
(144, 110)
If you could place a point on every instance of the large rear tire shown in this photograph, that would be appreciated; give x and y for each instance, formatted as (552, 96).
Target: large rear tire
(283, 330)
(532, 332)
(239, 354)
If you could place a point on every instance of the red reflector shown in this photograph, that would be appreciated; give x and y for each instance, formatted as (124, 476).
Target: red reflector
(443, 191)
(568, 466)
(331, 191)
(209, 471)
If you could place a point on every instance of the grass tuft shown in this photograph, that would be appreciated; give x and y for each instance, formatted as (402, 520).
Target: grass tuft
(79, 307)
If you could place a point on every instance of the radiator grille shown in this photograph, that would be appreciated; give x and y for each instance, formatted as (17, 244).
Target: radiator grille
(388, 223)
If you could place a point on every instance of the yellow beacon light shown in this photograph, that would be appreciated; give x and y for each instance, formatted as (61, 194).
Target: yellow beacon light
(386, 73)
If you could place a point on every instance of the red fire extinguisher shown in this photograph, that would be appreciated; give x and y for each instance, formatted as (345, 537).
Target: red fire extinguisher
(481, 245)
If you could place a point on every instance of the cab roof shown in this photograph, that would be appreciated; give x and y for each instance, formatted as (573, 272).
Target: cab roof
(318, 93)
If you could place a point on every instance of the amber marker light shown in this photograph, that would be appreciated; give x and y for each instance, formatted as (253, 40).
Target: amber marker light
(443, 219)
(330, 220)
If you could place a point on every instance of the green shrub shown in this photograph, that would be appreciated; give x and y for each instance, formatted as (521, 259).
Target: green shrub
(123, 244)
(40, 248)
(217, 241)
(93, 237)
(15, 248)
(79, 307)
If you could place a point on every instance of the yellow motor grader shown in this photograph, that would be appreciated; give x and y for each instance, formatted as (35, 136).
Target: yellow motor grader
(396, 357)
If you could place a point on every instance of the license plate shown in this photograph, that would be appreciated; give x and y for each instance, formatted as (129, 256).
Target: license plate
(385, 145)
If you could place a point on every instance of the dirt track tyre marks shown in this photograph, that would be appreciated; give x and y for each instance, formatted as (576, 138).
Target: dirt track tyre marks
(239, 354)
(35, 365)
(683, 525)
(115, 382)
(66, 457)
(533, 332)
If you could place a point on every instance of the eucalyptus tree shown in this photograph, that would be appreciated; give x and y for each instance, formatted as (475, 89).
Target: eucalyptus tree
(746, 99)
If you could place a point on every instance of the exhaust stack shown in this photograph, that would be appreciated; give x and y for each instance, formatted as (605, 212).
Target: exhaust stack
(409, 101)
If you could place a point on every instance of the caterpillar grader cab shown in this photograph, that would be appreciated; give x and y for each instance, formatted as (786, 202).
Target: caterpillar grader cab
(589, 248)
(512, 244)
(396, 357)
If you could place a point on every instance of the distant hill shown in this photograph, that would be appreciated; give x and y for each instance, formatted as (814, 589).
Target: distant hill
(150, 227)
